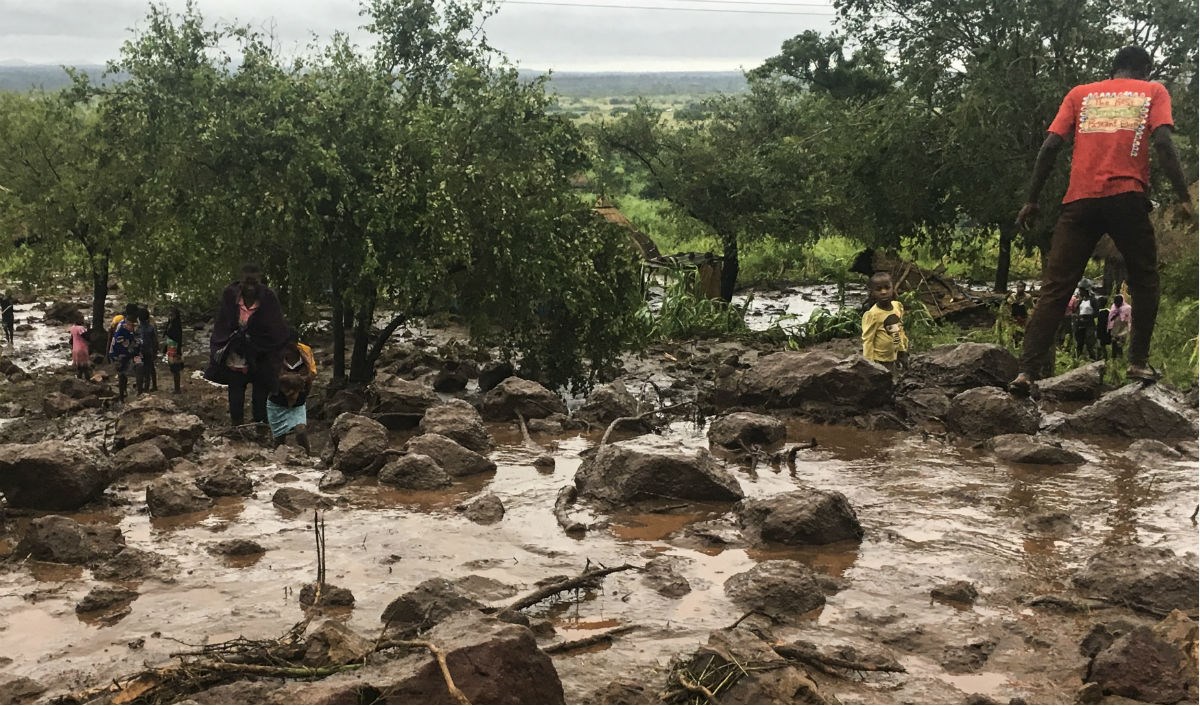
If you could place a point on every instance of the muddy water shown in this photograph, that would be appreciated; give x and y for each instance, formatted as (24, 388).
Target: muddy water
(932, 512)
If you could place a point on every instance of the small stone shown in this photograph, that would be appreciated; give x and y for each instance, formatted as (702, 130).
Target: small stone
(485, 510)
(102, 597)
(956, 591)
(544, 461)
(331, 596)
(237, 547)
(1090, 693)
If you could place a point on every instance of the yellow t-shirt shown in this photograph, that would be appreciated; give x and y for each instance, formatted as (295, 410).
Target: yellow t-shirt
(883, 333)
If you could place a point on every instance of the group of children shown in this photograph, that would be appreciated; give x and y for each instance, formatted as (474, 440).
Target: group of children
(1094, 327)
(133, 346)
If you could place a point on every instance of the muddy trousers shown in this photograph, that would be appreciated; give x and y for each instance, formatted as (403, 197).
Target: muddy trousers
(258, 397)
(1125, 218)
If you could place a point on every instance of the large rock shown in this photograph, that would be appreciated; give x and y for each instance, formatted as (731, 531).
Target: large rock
(726, 652)
(781, 589)
(297, 499)
(358, 442)
(519, 396)
(607, 403)
(20, 690)
(64, 541)
(56, 404)
(820, 383)
(924, 403)
(49, 475)
(492, 663)
(149, 417)
(804, 516)
(653, 469)
(1151, 664)
(962, 366)
(175, 494)
(86, 391)
(744, 430)
(1135, 412)
(1084, 383)
(334, 644)
(1024, 448)
(1147, 578)
(226, 481)
(493, 373)
(454, 458)
(142, 457)
(414, 472)
(984, 412)
(428, 604)
(461, 422)
(402, 398)
(487, 509)
(62, 313)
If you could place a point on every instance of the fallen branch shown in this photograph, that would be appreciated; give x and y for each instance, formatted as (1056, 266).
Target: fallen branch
(529, 442)
(809, 654)
(562, 505)
(599, 638)
(638, 418)
(585, 579)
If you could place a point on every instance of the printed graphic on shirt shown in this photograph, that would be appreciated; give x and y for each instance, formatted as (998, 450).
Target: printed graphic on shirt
(893, 325)
(1113, 112)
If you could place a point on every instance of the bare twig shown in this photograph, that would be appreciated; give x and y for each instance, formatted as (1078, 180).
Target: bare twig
(440, 656)
(637, 418)
(696, 688)
(584, 579)
(599, 638)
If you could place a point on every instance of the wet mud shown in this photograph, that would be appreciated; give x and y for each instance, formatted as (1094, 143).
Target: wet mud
(934, 512)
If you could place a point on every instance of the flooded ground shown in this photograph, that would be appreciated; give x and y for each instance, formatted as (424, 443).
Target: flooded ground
(932, 513)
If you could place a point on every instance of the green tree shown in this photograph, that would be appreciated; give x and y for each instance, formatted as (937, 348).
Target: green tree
(992, 75)
(56, 188)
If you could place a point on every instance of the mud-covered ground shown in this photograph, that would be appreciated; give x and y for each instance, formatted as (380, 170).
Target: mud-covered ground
(934, 511)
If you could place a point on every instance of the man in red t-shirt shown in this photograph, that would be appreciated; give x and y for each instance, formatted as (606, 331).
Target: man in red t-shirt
(1111, 123)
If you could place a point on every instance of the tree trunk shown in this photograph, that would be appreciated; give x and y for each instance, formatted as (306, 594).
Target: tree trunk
(361, 371)
(338, 329)
(729, 270)
(99, 267)
(1004, 260)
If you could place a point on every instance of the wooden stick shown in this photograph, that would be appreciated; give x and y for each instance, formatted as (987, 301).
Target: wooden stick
(598, 638)
(546, 591)
(696, 688)
(810, 655)
(562, 505)
(638, 418)
(438, 655)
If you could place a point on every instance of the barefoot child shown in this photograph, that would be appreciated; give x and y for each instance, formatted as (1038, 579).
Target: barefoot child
(884, 340)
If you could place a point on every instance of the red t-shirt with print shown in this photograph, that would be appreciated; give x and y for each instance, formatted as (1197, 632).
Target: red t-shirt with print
(1111, 122)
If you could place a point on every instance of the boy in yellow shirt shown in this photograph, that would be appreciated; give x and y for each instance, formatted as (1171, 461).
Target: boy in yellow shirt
(884, 340)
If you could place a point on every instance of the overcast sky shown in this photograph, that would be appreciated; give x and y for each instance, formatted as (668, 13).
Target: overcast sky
(728, 35)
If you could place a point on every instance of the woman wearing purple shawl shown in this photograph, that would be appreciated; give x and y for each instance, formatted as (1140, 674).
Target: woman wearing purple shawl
(247, 343)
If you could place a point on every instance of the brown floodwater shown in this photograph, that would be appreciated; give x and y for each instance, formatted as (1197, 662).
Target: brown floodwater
(933, 512)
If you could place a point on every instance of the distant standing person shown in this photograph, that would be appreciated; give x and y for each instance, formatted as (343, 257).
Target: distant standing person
(246, 344)
(883, 337)
(287, 409)
(80, 354)
(1120, 316)
(1112, 123)
(174, 348)
(147, 332)
(7, 317)
(1019, 303)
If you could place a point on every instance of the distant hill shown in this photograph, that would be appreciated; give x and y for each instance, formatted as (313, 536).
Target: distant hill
(566, 83)
(28, 77)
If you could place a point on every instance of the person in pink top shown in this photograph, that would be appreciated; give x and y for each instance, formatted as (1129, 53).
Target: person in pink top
(1112, 123)
(1120, 319)
(80, 353)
